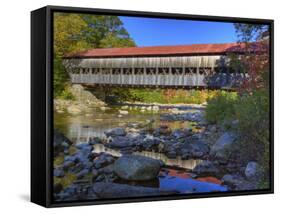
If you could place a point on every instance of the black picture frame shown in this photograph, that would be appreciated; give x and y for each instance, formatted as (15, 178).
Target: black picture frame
(42, 103)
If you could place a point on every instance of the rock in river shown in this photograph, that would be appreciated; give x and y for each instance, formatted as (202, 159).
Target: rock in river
(251, 171)
(74, 109)
(115, 190)
(206, 168)
(115, 132)
(119, 142)
(60, 142)
(136, 168)
(223, 146)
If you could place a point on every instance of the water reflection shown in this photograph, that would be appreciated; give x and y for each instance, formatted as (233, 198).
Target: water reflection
(189, 185)
(178, 162)
(79, 128)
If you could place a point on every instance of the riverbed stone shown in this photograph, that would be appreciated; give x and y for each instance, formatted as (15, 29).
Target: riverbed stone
(119, 142)
(123, 112)
(193, 148)
(115, 190)
(176, 115)
(115, 132)
(74, 109)
(136, 167)
(95, 140)
(172, 154)
(83, 146)
(67, 164)
(178, 133)
(95, 174)
(238, 182)
(82, 173)
(103, 160)
(206, 168)
(60, 142)
(57, 188)
(230, 180)
(251, 171)
(58, 172)
(223, 146)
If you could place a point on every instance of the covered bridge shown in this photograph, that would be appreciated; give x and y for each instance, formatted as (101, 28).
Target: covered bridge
(190, 66)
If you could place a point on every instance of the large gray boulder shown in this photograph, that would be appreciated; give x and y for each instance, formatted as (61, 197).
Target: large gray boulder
(136, 168)
(114, 190)
(223, 146)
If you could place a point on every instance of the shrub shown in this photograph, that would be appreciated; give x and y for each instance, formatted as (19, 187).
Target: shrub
(252, 113)
(220, 108)
(172, 96)
(66, 94)
(60, 78)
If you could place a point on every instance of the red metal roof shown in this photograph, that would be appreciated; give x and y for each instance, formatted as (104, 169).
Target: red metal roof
(195, 49)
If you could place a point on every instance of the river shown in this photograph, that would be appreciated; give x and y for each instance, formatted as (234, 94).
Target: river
(82, 127)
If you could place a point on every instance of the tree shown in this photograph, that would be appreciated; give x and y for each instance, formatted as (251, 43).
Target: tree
(68, 35)
(254, 41)
(78, 32)
(106, 31)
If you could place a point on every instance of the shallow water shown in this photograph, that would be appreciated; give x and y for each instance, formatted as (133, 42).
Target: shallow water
(79, 128)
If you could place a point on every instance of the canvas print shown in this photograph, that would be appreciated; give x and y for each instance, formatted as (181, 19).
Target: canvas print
(151, 107)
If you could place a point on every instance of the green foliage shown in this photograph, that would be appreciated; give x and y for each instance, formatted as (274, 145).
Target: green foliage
(68, 34)
(111, 41)
(65, 181)
(66, 94)
(105, 31)
(60, 77)
(252, 113)
(164, 96)
(221, 107)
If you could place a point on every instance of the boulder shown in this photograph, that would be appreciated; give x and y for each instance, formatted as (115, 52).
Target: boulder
(238, 182)
(60, 142)
(115, 132)
(84, 147)
(230, 180)
(251, 171)
(223, 146)
(115, 190)
(136, 168)
(119, 142)
(74, 109)
(178, 134)
(103, 160)
(82, 173)
(123, 112)
(58, 172)
(194, 148)
(206, 168)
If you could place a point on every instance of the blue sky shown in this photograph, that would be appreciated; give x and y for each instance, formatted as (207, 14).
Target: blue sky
(154, 31)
